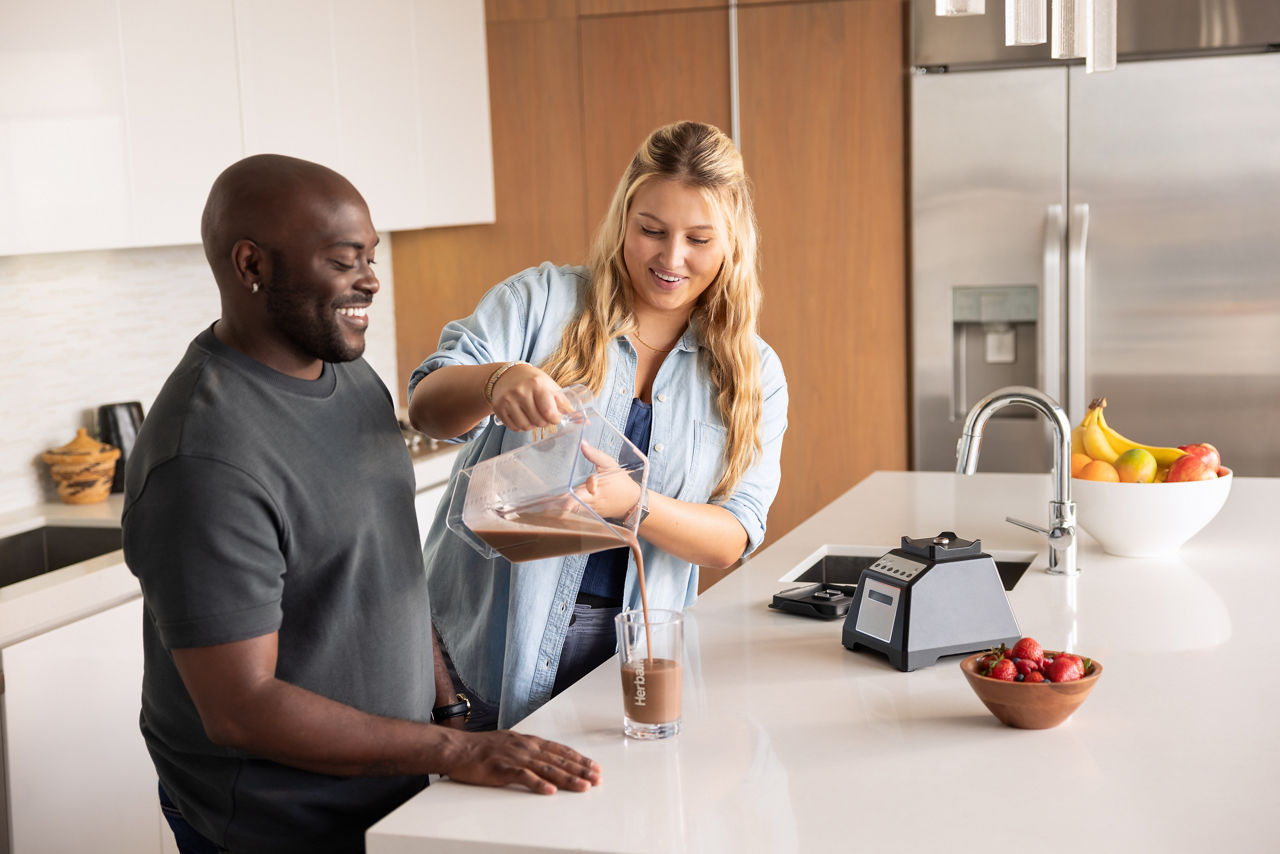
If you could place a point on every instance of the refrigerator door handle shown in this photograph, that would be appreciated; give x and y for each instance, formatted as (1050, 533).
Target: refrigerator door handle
(1051, 304)
(1077, 285)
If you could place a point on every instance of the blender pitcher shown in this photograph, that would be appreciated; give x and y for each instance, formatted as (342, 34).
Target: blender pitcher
(579, 489)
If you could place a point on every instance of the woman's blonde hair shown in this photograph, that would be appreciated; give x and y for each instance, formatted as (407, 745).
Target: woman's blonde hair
(725, 317)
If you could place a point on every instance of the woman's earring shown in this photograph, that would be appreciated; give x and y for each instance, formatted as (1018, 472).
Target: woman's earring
(255, 287)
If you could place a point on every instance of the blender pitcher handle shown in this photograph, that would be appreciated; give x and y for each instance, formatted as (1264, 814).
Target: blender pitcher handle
(579, 396)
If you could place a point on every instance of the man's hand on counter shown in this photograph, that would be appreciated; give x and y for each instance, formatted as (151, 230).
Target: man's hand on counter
(506, 758)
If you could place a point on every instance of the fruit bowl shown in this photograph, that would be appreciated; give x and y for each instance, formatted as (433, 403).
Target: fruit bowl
(1029, 705)
(1147, 519)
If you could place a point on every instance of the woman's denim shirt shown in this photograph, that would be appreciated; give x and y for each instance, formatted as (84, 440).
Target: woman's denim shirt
(504, 624)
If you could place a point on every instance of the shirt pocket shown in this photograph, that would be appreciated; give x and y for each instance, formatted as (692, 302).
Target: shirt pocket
(705, 463)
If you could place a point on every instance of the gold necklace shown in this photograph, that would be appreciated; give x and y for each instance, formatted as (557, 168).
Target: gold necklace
(650, 346)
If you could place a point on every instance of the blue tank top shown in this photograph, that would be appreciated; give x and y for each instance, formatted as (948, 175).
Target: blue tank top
(606, 574)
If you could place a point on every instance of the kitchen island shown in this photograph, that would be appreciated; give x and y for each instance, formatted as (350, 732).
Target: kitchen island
(791, 743)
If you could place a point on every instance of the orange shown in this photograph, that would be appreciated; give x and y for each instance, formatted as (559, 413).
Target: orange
(1079, 461)
(1100, 470)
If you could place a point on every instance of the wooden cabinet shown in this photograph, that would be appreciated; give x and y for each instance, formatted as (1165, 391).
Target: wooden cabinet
(115, 117)
(821, 110)
(78, 773)
(643, 71)
(823, 115)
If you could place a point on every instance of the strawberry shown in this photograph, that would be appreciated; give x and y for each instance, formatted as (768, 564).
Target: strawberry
(1026, 666)
(1004, 670)
(1034, 676)
(1028, 648)
(1065, 668)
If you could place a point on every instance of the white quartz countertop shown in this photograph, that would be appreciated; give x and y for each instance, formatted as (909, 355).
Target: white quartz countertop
(791, 743)
(56, 598)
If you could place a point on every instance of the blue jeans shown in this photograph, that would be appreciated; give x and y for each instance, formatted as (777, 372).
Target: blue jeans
(188, 838)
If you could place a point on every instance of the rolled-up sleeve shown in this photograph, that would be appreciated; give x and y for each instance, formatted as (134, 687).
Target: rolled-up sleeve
(494, 332)
(754, 494)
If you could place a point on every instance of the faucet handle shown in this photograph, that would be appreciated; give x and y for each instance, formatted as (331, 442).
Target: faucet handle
(1059, 537)
(1026, 525)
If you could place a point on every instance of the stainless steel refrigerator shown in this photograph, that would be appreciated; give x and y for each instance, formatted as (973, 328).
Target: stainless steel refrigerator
(1107, 235)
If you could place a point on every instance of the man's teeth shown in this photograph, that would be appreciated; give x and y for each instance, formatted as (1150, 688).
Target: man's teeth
(354, 311)
(666, 278)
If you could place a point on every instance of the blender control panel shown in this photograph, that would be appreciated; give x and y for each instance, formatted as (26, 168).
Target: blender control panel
(898, 566)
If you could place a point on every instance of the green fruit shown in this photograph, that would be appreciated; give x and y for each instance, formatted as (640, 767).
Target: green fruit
(1136, 465)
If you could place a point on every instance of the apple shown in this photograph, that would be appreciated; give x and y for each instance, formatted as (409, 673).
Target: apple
(1206, 452)
(1190, 467)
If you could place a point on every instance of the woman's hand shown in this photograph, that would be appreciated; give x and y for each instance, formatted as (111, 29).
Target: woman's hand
(525, 398)
(610, 492)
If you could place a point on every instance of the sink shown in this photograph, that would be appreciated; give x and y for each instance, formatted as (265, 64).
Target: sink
(40, 550)
(839, 564)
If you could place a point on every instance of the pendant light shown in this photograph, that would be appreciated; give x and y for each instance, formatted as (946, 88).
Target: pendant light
(1101, 23)
(951, 8)
(1070, 29)
(1025, 22)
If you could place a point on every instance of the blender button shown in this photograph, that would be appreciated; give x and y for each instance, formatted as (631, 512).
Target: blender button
(658, 447)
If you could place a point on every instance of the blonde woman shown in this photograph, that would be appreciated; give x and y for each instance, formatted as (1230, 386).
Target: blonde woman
(662, 328)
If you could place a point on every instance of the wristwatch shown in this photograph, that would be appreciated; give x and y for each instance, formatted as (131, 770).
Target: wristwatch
(461, 709)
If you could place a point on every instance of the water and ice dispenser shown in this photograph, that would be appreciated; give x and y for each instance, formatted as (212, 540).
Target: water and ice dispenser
(994, 331)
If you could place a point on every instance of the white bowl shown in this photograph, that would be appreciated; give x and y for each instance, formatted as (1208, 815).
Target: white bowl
(1147, 519)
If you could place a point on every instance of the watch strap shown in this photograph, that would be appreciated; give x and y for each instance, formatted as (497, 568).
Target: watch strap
(460, 709)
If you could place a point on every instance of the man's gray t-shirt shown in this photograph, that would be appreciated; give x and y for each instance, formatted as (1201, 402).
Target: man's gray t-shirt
(256, 502)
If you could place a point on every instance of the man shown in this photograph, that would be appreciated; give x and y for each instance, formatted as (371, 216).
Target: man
(290, 670)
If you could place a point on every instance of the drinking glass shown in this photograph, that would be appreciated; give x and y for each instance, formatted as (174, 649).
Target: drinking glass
(652, 658)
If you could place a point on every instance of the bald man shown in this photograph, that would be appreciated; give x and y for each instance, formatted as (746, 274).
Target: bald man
(290, 672)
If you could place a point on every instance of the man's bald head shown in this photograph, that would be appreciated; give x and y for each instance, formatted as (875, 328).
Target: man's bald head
(261, 198)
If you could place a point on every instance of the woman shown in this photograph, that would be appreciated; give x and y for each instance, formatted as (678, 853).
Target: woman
(662, 328)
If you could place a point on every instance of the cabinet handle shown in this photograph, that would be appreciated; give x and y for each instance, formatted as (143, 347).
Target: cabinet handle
(1051, 303)
(1077, 287)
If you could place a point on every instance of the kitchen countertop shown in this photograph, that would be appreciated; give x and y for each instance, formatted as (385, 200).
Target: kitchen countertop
(56, 598)
(791, 742)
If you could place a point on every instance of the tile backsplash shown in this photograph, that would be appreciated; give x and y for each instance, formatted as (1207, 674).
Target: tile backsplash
(87, 328)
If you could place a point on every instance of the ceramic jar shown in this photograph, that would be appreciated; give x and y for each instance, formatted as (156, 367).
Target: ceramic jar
(82, 469)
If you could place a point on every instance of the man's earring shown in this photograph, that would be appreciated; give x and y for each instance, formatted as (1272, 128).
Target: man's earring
(255, 287)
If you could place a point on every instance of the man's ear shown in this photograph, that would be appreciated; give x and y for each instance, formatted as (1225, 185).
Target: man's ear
(251, 263)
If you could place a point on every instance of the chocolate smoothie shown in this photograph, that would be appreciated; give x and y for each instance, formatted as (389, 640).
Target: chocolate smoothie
(651, 690)
(542, 535)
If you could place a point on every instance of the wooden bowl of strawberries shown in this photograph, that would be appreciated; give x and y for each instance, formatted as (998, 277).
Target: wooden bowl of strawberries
(1028, 687)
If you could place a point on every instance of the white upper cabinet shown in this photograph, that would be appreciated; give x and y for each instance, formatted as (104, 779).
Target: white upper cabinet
(116, 115)
(63, 135)
(452, 88)
(179, 63)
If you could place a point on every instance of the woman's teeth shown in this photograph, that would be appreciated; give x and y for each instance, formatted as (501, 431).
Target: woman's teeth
(666, 278)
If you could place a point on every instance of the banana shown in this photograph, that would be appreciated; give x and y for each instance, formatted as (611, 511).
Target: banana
(1164, 456)
(1077, 439)
(1096, 444)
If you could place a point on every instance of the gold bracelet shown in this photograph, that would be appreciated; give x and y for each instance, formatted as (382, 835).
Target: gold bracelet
(494, 377)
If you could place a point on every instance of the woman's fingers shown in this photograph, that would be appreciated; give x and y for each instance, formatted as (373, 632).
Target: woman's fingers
(602, 461)
(525, 398)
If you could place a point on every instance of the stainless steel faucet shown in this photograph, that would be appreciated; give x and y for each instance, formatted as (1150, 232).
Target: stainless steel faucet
(1062, 510)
